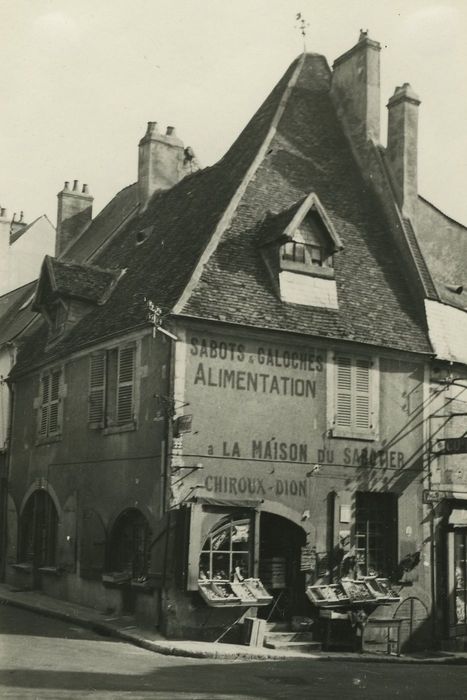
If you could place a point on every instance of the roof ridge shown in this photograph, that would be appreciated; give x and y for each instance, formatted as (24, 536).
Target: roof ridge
(229, 212)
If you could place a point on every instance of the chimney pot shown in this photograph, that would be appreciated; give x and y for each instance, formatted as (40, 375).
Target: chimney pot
(14, 218)
(152, 128)
(170, 130)
(3, 212)
(75, 185)
(85, 189)
(66, 186)
(21, 215)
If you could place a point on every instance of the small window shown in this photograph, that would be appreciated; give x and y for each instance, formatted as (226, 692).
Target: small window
(375, 534)
(38, 531)
(130, 544)
(50, 409)
(111, 387)
(354, 401)
(227, 551)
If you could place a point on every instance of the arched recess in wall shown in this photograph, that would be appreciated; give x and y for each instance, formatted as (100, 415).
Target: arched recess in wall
(41, 485)
(129, 544)
(39, 530)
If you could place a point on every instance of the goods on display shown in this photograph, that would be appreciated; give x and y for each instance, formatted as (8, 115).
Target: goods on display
(243, 592)
(331, 595)
(358, 591)
(218, 594)
(255, 586)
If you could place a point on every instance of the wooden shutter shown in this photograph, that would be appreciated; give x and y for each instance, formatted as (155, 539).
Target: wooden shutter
(44, 416)
(97, 373)
(125, 390)
(54, 403)
(344, 392)
(362, 394)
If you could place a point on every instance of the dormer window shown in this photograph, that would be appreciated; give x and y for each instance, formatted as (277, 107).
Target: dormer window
(67, 291)
(298, 247)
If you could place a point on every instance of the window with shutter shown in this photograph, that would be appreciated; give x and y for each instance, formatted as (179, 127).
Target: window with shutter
(111, 388)
(97, 388)
(125, 385)
(355, 399)
(49, 419)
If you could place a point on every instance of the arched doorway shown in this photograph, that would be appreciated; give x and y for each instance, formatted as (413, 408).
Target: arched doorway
(38, 533)
(280, 546)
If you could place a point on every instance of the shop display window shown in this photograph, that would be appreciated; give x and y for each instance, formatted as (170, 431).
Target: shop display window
(226, 553)
(460, 575)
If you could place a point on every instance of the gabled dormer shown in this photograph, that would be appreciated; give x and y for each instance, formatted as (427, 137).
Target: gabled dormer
(67, 291)
(298, 246)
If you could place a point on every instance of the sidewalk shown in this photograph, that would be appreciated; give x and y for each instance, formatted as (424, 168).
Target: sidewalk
(124, 628)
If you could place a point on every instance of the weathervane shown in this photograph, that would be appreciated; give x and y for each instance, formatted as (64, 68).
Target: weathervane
(302, 25)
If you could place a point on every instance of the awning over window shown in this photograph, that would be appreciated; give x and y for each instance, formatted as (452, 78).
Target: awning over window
(458, 517)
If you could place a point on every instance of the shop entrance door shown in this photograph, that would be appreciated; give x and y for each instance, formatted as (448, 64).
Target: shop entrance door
(457, 548)
(279, 567)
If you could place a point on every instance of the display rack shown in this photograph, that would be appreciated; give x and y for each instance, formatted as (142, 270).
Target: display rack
(220, 594)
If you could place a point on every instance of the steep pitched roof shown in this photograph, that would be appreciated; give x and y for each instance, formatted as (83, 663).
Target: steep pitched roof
(202, 258)
(307, 153)
(15, 312)
(443, 242)
(104, 225)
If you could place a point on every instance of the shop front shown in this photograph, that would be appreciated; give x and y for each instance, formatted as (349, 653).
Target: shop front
(457, 572)
(242, 556)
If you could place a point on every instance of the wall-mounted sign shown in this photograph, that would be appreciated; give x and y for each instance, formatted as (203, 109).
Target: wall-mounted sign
(308, 558)
(434, 496)
(452, 446)
(183, 424)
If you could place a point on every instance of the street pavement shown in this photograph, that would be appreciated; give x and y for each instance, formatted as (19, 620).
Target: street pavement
(45, 658)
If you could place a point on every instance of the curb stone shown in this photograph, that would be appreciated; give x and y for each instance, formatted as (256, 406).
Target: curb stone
(245, 653)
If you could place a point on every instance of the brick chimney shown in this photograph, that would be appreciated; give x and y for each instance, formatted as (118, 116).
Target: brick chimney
(74, 213)
(163, 161)
(355, 90)
(402, 147)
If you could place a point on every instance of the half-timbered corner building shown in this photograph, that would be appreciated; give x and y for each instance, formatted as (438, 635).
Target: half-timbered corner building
(229, 376)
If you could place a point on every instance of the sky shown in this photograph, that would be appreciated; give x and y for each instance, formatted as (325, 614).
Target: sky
(80, 80)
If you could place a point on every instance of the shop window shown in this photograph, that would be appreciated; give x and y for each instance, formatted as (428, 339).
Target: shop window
(111, 387)
(375, 534)
(226, 553)
(38, 531)
(460, 576)
(50, 407)
(353, 398)
(130, 544)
